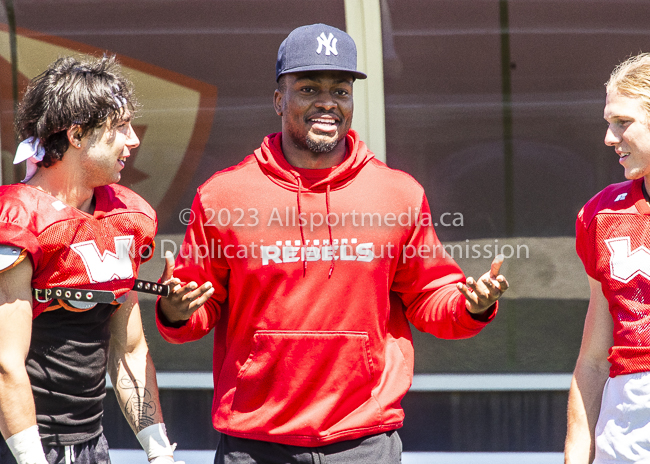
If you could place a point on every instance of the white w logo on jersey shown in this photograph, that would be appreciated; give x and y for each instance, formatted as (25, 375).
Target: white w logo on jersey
(109, 266)
(625, 264)
(328, 42)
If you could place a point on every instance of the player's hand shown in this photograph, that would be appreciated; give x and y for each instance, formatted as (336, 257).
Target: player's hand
(482, 294)
(183, 300)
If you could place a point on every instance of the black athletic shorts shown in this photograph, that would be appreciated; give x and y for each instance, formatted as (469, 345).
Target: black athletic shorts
(384, 448)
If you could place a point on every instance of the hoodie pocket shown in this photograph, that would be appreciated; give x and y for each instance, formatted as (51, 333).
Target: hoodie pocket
(305, 383)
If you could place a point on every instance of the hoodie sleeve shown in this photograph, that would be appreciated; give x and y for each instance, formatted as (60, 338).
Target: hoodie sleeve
(425, 280)
(198, 261)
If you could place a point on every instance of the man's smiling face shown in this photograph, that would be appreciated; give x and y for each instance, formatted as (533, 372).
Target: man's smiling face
(316, 108)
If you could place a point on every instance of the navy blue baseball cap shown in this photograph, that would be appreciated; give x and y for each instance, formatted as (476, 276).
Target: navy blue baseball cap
(317, 47)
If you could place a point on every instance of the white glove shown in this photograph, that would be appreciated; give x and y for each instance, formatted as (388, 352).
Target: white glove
(156, 444)
(26, 446)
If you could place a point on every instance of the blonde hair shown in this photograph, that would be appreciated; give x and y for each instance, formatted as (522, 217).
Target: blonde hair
(632, 79)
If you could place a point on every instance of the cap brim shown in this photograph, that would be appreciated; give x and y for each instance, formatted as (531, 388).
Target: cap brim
(320, 67)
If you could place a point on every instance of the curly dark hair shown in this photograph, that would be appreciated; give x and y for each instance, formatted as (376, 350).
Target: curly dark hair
(85, 91)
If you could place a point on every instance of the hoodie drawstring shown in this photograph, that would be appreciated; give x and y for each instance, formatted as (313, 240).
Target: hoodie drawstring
(302, 232)
(329, 227)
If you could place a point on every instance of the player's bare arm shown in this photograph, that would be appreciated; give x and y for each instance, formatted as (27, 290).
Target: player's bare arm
(16, 400)
(17, 410)
(131, 369)
(589, 377)
(134, 380)
(183, 300)
(482, 293)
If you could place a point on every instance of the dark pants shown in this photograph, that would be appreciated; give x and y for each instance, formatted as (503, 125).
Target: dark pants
(93, 451)
(385, 448)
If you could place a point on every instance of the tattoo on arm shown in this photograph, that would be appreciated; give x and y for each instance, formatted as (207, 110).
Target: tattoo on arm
(139, 408)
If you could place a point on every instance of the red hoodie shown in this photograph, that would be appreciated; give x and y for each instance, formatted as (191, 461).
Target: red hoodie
(312, 342)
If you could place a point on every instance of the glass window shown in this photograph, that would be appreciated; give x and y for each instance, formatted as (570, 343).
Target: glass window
(445, 94)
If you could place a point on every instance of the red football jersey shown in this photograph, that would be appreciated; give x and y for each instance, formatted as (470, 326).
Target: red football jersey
(613, 241)
(70, 248)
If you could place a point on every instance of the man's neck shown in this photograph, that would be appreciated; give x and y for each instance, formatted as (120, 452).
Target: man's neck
(64, 187)
(306, 159)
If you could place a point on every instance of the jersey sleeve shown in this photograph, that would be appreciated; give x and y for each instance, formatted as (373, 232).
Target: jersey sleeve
(196, 262)
(585, 245)
(426, 279)
(15, 231)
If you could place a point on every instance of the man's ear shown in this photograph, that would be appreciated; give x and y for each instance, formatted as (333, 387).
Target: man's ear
(277, 102)
(74, 136)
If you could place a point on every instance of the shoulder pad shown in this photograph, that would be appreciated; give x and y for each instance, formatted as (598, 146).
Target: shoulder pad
(10, 256)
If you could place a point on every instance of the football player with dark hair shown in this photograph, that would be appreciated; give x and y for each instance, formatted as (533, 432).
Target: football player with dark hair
(71, 245)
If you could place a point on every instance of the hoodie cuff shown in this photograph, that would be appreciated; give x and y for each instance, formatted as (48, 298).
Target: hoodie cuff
(476, 321)
(487, 315)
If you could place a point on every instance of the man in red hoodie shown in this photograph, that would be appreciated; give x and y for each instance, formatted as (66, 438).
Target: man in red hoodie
(315, 257)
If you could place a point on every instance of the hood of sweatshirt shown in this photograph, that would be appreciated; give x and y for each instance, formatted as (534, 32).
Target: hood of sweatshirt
(278, 170)
(272, 162)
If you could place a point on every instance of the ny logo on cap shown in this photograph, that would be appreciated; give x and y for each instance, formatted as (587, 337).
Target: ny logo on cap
(328, 42)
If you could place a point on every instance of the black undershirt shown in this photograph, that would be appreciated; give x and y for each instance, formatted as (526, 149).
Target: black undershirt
(67, 369)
